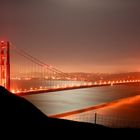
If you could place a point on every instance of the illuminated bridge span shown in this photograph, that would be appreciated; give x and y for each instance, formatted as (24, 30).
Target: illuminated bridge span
(22, 73)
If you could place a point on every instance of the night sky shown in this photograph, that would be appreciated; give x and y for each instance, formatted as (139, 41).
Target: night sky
(76, 35)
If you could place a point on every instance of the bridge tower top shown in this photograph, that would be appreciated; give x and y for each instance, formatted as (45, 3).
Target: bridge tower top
(5, 64)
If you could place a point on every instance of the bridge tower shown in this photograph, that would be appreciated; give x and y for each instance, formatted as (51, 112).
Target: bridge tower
(5, 64)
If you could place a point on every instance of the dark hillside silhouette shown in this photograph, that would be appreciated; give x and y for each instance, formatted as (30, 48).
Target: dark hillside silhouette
(17, 112)
(20, 116)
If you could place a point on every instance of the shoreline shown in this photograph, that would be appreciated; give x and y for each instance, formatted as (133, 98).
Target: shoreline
(92, 108)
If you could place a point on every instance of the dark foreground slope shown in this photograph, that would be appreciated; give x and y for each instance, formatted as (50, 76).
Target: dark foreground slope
(19, 115)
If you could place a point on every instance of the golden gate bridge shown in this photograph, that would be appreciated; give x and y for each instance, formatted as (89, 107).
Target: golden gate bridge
(22, 73)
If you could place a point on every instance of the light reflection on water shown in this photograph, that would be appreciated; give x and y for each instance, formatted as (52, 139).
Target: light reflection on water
(65, 101)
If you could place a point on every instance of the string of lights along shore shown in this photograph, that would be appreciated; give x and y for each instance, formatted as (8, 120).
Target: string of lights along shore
(23, 73)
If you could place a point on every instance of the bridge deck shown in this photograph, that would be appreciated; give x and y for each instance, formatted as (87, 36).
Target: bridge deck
(70, 88)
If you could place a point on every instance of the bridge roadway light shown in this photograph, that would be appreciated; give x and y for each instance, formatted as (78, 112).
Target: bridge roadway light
(1, 41)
